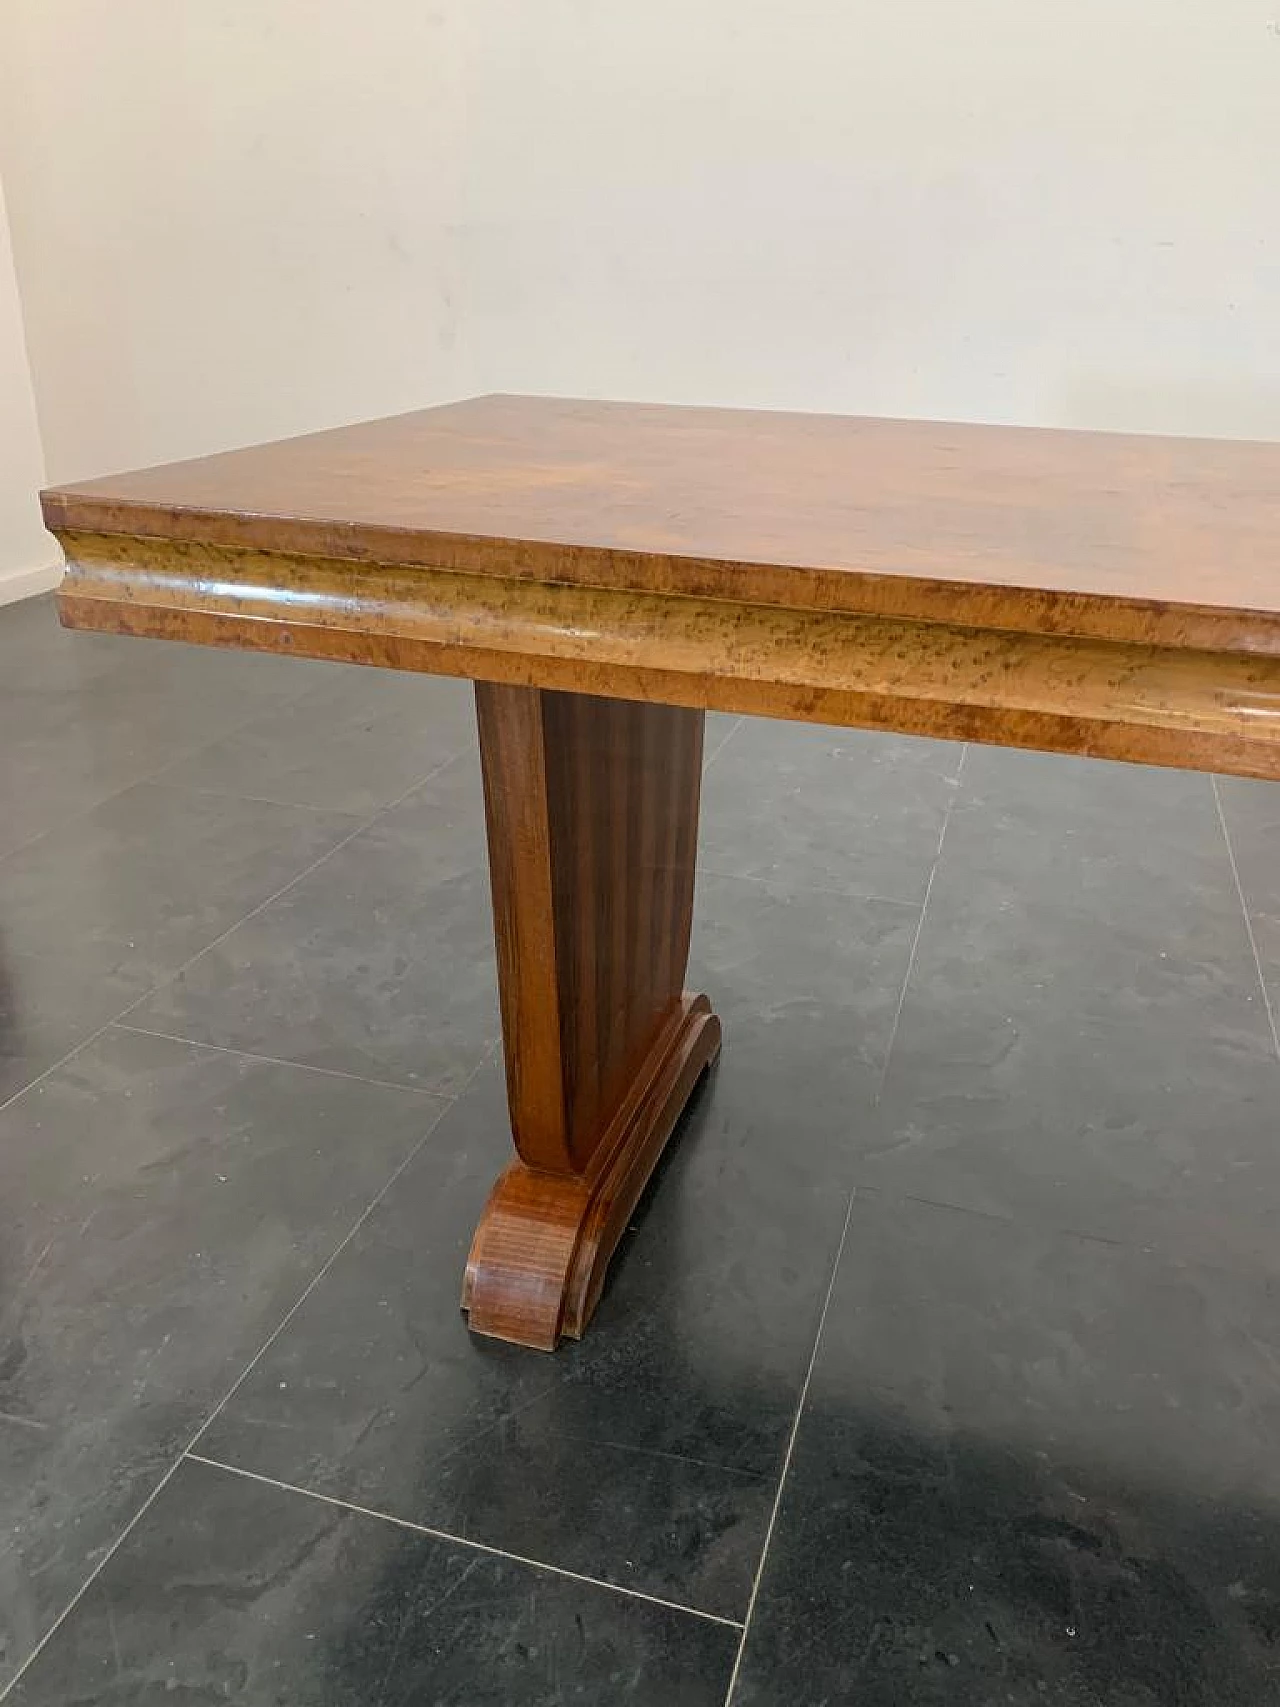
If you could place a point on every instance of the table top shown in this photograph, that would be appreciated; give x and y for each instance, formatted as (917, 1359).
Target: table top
(1165, 540)
(1091, 593)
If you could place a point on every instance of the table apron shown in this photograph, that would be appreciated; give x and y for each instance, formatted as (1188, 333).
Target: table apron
(1105, 698)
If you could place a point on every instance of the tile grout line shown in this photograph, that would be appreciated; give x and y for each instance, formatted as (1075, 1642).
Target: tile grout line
(54, 1066)
(446, 1097)
(786, 1460)
(459, 1540)
(1165, 1255)
(788, 883)
(721, 744)
(915, 941)
(230, 1393)
(669, 1457)
(177, 971)
(1051, 1229)
(162, 781)
(1248, 922)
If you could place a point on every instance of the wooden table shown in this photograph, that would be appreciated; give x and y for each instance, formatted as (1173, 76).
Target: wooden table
(605, 572)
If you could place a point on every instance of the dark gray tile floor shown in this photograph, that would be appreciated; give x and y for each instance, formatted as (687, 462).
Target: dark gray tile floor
(942, 1367)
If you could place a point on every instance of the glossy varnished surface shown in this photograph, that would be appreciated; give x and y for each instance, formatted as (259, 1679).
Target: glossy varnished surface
(1087, 593)
(1168, 540)
(592, 813)
(592, 807)
(1168, 705)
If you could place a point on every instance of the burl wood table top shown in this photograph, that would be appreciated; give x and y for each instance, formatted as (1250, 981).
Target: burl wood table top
(1175, 539)
(1033, 586)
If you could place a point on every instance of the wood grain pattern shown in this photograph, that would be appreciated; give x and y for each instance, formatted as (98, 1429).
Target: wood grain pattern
(1169, 705)
(1166, 541)
(592, 810)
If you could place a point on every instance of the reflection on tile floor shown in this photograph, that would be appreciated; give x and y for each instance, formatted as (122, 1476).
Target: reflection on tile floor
(945, 1358)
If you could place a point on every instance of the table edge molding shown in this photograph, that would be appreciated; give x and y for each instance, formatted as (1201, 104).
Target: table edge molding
(910, 594)
(1168, 704)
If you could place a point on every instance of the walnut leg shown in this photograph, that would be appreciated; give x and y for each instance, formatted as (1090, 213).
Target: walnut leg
(592, 812)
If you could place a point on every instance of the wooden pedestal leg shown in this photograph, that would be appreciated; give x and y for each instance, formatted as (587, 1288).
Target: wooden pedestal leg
(592, 809)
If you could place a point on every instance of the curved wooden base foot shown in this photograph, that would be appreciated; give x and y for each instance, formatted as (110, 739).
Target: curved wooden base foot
(540, 1252)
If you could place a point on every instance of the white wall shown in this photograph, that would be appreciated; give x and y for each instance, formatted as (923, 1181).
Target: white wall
(28, 557)
(247, 217)
(229, 216)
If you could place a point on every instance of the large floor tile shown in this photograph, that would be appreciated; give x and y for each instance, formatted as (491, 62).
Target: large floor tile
(354, 744)
(162, 1206)
(1031, 1469)
(380, 962)
(138, 885)
(1083, 1039)
(229, 1591)
(843, 809)
(647, 1455)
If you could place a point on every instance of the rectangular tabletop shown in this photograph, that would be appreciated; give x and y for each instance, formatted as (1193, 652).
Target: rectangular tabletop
(1093, 592)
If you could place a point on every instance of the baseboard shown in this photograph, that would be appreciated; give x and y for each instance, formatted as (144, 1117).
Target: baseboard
(26, 583)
